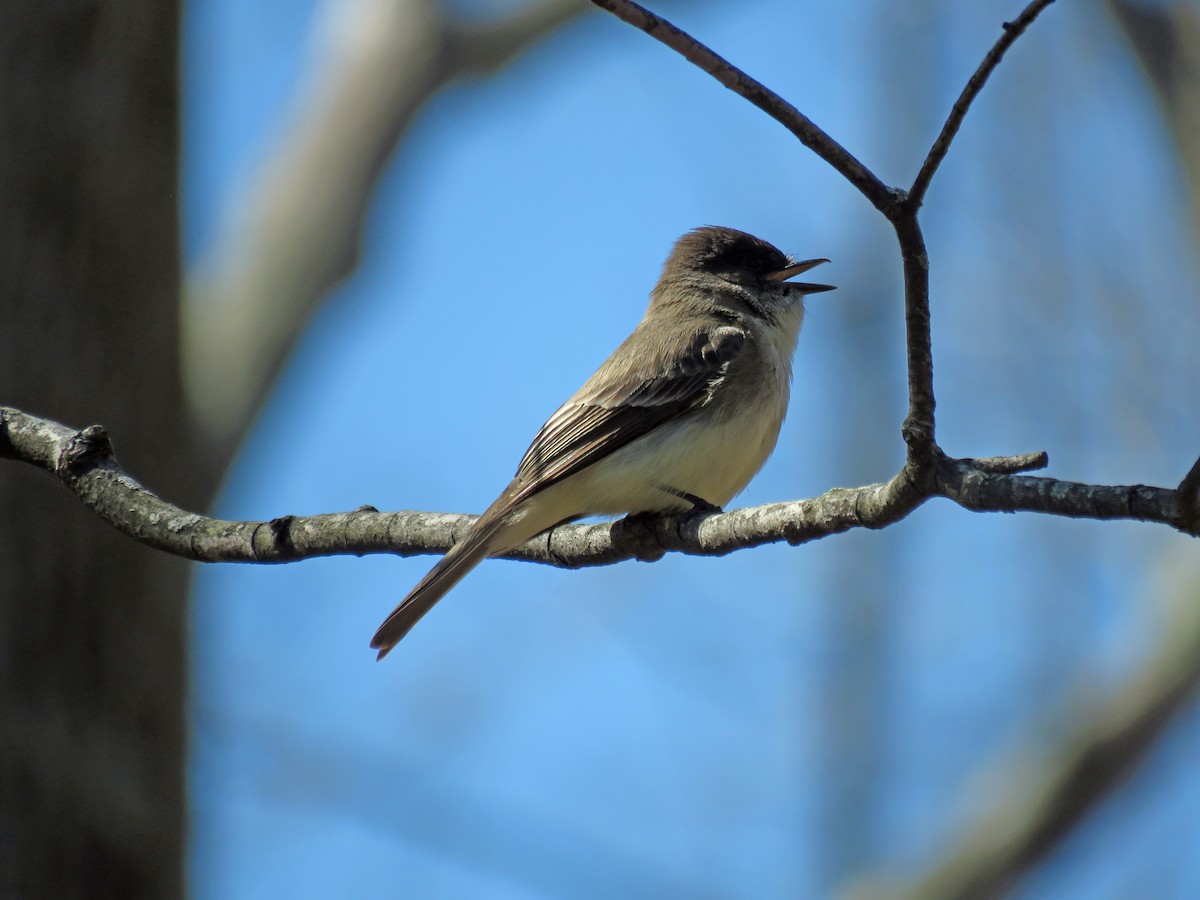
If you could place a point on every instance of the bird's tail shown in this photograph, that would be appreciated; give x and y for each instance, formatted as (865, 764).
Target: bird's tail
(448, 572)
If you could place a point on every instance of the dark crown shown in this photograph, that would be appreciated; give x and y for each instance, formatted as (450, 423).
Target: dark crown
(716, 249)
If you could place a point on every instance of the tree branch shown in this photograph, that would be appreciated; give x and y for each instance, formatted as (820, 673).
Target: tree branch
(877, 193)
(84, 462)
(918, 429)
(985, 490)
(1012, 31)
(1188, 494)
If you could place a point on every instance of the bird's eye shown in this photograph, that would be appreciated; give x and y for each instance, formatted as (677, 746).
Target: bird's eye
(740, 275)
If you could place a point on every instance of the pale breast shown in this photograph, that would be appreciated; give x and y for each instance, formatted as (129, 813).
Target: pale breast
(711, 453)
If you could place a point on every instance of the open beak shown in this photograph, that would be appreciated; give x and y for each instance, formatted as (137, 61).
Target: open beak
(795, 269)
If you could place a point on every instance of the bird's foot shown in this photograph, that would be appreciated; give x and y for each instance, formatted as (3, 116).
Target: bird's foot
(699, 504)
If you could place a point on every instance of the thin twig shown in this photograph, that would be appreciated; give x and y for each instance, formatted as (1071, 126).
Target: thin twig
(1010, 465)
(1012, 31)
(879, 194)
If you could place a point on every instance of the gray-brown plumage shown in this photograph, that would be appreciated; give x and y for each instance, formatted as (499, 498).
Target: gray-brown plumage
(681, 415)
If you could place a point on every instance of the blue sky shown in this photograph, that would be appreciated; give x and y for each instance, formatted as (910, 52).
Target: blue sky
(760, 725)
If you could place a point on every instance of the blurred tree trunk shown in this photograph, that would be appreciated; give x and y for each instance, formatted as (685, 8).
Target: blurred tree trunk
(93, 654)
(92, 625)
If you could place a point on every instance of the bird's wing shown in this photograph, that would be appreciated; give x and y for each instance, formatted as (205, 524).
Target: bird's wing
(614, 409)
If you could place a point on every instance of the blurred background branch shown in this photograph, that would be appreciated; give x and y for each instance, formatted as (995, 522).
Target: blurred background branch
(298, 231)
(1165, 37)
(1039, 797)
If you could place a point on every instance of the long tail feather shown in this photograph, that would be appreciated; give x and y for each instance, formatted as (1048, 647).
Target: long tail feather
(448, 572)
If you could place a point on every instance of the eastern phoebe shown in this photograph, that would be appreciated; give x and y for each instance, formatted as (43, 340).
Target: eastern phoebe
(679, 418)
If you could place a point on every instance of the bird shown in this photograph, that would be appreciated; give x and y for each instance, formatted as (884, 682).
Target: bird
(678, 419)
